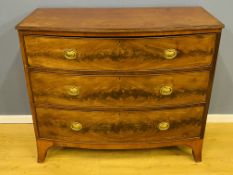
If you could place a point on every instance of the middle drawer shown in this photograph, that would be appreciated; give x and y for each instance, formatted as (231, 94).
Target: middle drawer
(119, 91)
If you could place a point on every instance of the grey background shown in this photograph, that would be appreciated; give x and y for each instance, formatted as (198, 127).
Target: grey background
(13, 97)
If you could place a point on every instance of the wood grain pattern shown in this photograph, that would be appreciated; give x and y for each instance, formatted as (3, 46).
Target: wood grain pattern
(122, 127)
(120, 54)
(28, 81)
(119, 91)
(120, 34)
(120, 20)
(119, 72)
(211, 81)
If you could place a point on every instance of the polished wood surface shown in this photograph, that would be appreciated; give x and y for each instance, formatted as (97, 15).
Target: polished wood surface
(120, 54)
(119, 127)
(211, 81)
(28, 82)
(120, 20)
(109, 70)
(197, 150)
(119, 91)
(42, 148)
(18, 156)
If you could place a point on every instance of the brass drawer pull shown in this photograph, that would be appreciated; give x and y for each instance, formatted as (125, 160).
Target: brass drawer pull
(76, 126)
(70, 54)
(163, 126)
(73, 91)
(170, 54)
(166, 90)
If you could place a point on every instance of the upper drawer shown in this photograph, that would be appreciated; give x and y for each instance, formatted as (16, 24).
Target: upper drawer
(119, 91)
(70, 53)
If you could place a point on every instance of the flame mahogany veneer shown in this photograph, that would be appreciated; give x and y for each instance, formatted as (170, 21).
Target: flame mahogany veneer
(119, 78)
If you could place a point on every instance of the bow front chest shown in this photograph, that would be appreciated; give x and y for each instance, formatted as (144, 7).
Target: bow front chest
(119, 78)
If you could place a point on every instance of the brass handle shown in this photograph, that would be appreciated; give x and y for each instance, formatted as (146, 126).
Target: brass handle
(163, 126)
(76, 126)
(166, 90)
(170, 54)
(70, 54)
(73, 91)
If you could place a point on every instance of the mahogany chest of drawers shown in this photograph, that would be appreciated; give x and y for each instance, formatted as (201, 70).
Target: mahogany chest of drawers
(119, 78)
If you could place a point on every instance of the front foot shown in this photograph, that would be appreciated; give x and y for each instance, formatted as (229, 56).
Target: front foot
(197, 149)
(42, 148)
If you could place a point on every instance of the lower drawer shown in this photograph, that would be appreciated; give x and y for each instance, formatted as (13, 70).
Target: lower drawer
(105, 127)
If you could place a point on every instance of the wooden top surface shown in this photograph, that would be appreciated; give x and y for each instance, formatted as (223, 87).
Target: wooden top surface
(104, 20)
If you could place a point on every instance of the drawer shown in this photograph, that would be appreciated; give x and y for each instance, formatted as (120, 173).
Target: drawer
(119, 91)
(70, 53)
(123, 127)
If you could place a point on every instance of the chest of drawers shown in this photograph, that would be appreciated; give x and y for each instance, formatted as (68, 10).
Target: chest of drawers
(122, 78)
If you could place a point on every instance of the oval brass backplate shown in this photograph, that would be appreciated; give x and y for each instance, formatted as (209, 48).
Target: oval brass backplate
(166, 90)
(162, 126)
(76, 126)
(70, 54)
(170, 54)
(73, 91)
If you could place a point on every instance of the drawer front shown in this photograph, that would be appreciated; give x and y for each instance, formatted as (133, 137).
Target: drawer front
(123, 127)
(119, 91)
(71, 53)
